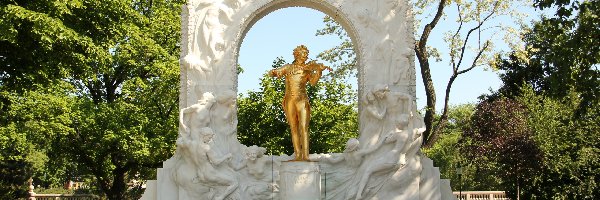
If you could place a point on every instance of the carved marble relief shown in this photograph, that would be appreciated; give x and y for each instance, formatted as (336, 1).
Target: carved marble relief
(383, 163)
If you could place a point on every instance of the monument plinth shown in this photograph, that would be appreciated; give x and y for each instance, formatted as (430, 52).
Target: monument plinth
(300, 181)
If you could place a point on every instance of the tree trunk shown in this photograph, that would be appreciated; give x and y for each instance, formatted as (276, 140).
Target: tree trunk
(119, 186)
(429, 92)
(423, 57)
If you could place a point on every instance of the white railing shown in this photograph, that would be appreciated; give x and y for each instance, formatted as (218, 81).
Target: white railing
(63, 197)
(33, 196)
(481, 195)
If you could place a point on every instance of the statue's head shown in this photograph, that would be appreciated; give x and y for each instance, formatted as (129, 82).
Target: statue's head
(253, 152)
(370, 97)
(206, 134)
(380, 90)
(301, 53)
(351, 145)
(207, 97)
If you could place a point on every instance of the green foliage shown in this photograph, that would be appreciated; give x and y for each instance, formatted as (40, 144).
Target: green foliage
(89, 84)
(261, 117)
(262, 122)
(501, 136)
(459, 117)
(30, 121)
(562, 55)
(448, 153)
(557, 81)
(92, 139)
(13, 163)
(56, 190)
(570, 147)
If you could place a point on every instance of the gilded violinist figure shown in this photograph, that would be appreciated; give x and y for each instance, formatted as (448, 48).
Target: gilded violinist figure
(295, 102)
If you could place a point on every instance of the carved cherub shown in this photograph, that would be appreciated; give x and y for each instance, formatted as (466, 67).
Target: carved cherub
(254, 161)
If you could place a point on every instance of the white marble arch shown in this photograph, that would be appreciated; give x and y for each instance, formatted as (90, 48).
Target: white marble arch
(382, 34)
(381, 31)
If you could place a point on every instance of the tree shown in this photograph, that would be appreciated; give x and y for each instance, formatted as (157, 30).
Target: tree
(555, 77)
(561, 55)
(533, 146)
(469, 45)
(262, 122)
(33, 120)
(500, 134)
(110, 67)
(14, 165)
(474, 36)
(448, 155)
(569, 147)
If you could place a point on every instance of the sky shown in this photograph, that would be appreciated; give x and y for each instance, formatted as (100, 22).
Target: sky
(278, 33)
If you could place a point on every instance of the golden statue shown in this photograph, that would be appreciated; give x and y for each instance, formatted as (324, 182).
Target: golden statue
(295, 102)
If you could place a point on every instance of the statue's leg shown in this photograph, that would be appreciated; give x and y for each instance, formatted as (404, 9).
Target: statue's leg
(304, 122)
(291, 115)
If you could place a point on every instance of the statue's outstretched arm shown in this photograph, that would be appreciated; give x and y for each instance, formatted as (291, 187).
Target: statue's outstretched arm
(335, 158)
(278, 72)
(181, 115)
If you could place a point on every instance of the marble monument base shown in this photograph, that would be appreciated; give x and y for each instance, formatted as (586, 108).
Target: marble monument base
(300, 180)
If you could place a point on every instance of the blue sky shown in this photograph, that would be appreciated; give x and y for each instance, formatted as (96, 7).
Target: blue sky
(279, 32)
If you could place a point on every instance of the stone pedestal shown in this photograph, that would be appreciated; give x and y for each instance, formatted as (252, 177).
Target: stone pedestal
(300, 181)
